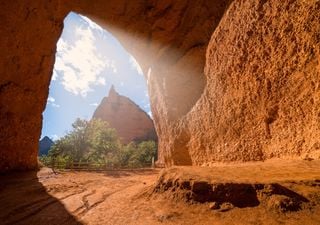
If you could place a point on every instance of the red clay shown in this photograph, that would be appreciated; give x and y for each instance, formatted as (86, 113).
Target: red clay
(130, 197)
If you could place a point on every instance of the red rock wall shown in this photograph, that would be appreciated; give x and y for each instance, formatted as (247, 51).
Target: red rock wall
(127, 118)
(259, 95)
(26, 62)
(262, 98)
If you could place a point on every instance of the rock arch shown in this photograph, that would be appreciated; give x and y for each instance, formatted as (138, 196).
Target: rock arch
(257, 98)
(167, 37)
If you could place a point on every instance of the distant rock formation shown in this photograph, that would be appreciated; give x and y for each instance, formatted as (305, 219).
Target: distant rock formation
(45, 145)
(129, 120)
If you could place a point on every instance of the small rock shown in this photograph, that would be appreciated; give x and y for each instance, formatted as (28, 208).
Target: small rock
(226, 206)
(214, 205)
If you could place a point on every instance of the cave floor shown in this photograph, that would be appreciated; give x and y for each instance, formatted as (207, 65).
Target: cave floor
(288, 192)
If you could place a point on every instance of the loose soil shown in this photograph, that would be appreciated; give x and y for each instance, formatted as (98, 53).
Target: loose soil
(272, 192)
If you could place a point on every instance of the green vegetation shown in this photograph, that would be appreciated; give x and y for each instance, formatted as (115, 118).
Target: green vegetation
(94, 143)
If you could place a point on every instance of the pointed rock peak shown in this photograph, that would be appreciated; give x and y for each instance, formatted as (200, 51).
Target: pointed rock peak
(113, 92)
(46, 138)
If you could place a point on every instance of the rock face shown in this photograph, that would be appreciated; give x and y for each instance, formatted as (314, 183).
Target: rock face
(128, 119)
(262, 98)
(228, 80)
(44, 145)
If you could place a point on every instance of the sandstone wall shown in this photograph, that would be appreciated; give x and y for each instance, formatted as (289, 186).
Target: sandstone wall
(262, 98)
(165, 37)
(259, 94)
(28, 33)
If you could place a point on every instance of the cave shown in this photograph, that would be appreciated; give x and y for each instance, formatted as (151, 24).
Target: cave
(217, 71)
(144, 35)
(234, 89)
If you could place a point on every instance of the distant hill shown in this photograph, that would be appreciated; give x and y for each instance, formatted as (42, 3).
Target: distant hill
(128, 119)
(44, 145)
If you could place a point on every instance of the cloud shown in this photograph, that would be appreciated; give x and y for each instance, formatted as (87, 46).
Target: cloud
(51, 101)
(54, 75)
(79, 62)
(150, 114)
(54, 137)
(135, 65)
(55, 105)
(94, 104)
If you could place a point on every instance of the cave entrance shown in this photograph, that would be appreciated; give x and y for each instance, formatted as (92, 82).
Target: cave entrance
(94, 77)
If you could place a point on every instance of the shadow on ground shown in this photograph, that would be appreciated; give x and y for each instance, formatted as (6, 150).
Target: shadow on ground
(24, 200)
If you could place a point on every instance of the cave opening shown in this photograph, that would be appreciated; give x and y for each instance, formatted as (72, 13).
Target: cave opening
(95, 78)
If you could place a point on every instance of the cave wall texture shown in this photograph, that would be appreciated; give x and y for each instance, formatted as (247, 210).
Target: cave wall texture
(228, 80)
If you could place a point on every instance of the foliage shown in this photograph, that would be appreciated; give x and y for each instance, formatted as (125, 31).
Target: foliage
(97, 143)
(137, 155)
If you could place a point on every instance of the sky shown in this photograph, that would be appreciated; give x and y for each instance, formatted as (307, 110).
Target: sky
(88, 61)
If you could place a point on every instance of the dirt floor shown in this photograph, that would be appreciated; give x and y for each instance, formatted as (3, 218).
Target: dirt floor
(273, 192)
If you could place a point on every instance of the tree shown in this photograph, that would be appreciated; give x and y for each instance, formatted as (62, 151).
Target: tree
(103, 141)
(95, 141)
(137, 154)
(147, 150)
(87, 141)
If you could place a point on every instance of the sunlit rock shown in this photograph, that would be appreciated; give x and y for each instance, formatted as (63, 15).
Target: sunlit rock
(128, 119)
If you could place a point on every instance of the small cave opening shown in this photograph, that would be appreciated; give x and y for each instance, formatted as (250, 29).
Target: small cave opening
(98, 109)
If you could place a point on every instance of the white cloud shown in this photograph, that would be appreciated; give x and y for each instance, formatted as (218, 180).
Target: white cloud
(54, 137)
(80, 64)
(94, 104)
(54, 75)
(51, 101)
(135, 65)
(55, 105)
(150, 114)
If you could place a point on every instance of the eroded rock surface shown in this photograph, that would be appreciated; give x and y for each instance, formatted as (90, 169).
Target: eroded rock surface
(259, 93)
(278, 186)
(263, 84)
(127, 118)
(266, 193)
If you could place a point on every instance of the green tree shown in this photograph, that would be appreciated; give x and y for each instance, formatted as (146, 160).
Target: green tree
(96, 142)
(147, 150)
(77, 141)
(87, 141)
(103, 141)
(136, 154)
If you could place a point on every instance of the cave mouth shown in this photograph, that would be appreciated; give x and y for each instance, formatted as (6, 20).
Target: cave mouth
(91, 64)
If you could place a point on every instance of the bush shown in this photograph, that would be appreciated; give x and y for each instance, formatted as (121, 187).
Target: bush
(136, 155)
(94, 142)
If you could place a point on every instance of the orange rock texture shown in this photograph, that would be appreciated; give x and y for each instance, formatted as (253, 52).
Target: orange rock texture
(228, 80)
(127, 118)
(262, 98)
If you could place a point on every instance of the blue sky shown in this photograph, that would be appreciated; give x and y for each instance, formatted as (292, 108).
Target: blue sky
(88, 61)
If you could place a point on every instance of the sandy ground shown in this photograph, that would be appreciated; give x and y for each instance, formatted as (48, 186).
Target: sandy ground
(129, 197)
